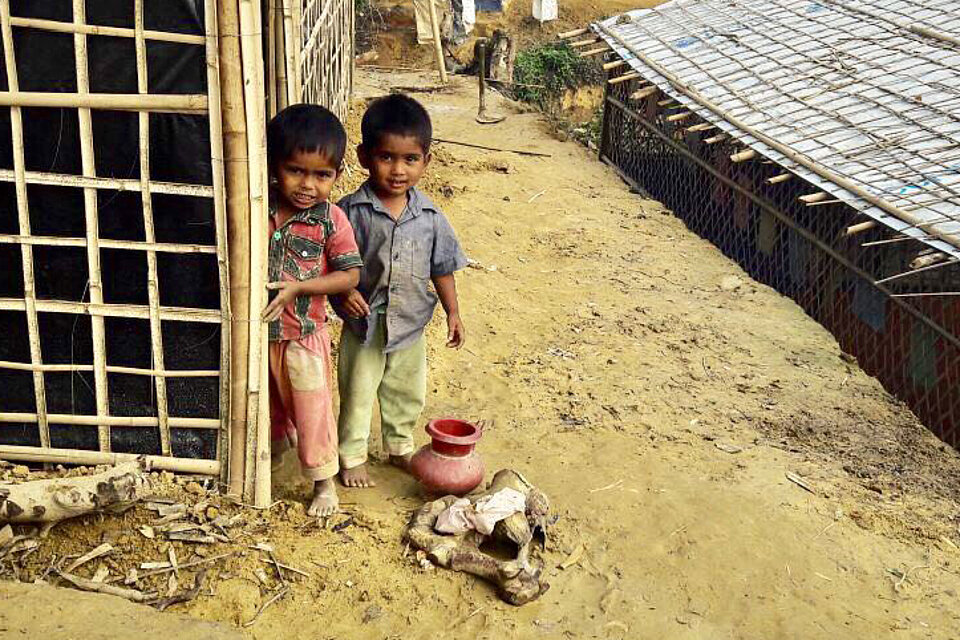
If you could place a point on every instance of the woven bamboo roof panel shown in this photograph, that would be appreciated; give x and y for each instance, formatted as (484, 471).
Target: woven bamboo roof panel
(860, 98)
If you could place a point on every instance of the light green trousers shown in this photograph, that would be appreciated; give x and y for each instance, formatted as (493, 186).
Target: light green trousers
(397, 379)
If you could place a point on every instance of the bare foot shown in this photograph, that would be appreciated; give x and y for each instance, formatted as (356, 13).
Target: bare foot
(325, 501)
(357, 477)
(402, 462)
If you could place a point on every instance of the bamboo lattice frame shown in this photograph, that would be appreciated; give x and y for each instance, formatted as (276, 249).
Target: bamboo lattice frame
(324, 58)
(96, 308)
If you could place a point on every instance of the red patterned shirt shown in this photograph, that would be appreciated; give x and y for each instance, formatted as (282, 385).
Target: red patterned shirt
(310, 244)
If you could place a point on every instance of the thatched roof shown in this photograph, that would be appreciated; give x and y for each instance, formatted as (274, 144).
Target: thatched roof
(860, 98)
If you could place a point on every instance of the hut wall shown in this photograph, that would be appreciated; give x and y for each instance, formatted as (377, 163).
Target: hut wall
(911, 344)
(113, 295)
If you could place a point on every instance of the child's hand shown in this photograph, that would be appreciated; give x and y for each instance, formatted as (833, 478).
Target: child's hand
(287, 291)
(456, 333)
(355, 305)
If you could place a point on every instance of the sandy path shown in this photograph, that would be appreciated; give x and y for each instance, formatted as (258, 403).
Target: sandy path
(620, 358)
(660, 397)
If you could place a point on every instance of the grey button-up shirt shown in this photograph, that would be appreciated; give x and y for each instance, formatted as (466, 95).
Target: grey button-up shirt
(399, 259)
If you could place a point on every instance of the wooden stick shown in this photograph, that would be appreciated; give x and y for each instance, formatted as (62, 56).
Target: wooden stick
(280, 58)
(859, 228)
(238, 235)
(677, 117)
(624, 78)
(95, 286)
(720, 137)
(183, 314)
(607, 66)
(810, 198)
(92, 458)
(488, 148)
(784, 149)
(783, 177)
(161, 373)
(743, 156)
(112, 421)
(220, 224)
(703, 126)
(919, 270)
(133, 245)
(667, 102)
(438, 46)
(273, 103)
(927, 259)
(66, 180)
(158, 103)
(99, 30)
(572, 34)
(23, 219)
(593, 52)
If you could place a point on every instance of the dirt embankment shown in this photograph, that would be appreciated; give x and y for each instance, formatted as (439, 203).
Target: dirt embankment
(666, 403)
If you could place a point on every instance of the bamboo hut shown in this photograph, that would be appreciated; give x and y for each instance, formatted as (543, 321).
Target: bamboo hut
(818, 145)
(133, 194)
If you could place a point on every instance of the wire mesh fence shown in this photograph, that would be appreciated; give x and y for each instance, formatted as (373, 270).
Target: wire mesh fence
(901, 323)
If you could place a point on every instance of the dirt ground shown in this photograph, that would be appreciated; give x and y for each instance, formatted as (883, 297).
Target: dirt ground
(659, 397)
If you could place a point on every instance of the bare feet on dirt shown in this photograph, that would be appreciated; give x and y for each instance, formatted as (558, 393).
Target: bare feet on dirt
(402, 462)
(357, 477)
(325, 501)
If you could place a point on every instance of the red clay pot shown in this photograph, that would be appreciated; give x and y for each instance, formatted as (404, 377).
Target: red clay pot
(449, 464)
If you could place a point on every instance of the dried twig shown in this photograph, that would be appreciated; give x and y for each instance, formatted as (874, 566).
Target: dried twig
(521, 152)
(102, 550)
(266, 604)
(102, 587)
(183, 596)
(797, 480)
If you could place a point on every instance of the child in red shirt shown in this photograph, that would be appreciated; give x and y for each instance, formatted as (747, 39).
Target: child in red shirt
(312, 254)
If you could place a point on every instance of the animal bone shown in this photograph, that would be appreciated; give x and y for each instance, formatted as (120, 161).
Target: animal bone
(518, 581)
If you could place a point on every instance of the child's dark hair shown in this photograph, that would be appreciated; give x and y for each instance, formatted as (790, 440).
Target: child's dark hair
(308, 128)
(397, 114)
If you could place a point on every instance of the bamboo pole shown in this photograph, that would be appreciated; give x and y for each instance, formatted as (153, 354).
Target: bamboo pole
(160, 103)
(258, 422)
(593, 52)
(238, 233)
(132, 245)
(111, 421)
(438, 46)
(583, 43)
(743, 156)
(783, 177)
(279, 71)
(860, 228)
(273, 106)
(810, 198)
(99, 30)
(23, 220)
(211, 33)
(786, 150)
(153, 292)
(184, 314)
(703, 126)
(572, 34)
(678, 117)
(134, 371)
(95, 286)
(607, 66)
(91, 458)
(720, 137)
(624, 78)
(290, 55)
(96, 182)
(643, 93)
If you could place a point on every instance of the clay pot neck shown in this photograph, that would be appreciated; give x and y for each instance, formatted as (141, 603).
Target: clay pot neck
(452, 437)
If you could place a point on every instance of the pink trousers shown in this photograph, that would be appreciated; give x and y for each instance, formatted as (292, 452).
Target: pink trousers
(301, 403)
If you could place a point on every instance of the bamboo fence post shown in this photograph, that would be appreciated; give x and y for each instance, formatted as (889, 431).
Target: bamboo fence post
(258, 433)
(153, 293)
(93, 228)
(160, 103)
(271, 60)
(438, 46)
(212, 52)
(279, 71)
(112, 421)
(101, 30)
(290, 54)
(238, 233)
(23, 217)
